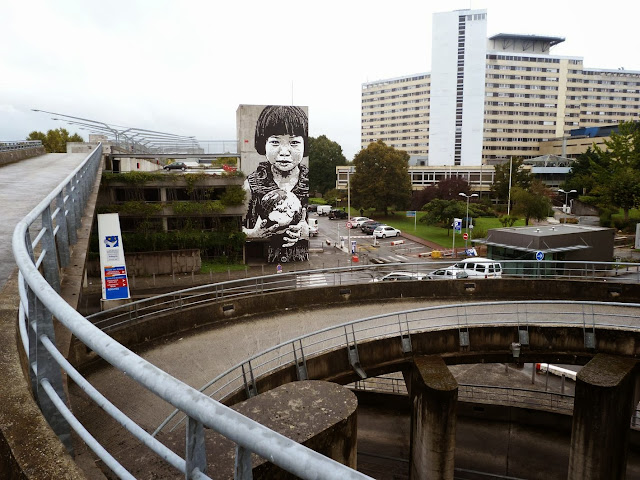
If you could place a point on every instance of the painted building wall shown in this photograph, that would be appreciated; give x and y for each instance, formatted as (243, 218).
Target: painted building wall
(273, 147)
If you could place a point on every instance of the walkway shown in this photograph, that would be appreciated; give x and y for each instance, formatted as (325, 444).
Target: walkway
(22, 186)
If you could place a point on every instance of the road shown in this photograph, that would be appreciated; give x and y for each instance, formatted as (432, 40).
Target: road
(370, 251)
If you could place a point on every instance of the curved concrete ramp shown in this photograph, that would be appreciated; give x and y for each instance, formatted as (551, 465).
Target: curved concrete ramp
(22, 186)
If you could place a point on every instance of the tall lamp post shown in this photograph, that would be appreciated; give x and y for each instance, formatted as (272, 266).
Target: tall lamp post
(467, 216)
(566, 197)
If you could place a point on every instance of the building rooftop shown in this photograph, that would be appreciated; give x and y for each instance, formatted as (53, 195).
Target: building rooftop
(528, 38)
(550, 230)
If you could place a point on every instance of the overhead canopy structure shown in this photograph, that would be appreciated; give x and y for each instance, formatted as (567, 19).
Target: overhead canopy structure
(508, 41)
(132, 139)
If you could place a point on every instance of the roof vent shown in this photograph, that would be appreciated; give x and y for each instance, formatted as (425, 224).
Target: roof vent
(537, 230)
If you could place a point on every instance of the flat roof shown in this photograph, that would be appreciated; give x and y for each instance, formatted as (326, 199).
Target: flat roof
(550, 230)
(530, 38)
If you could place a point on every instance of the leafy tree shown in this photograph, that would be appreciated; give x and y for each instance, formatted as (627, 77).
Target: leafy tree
(55, 141)
(324, 156)
(617, 169)
(381, 179)
(533, 203)
(447, 189)
(580, 177)
(520, 177)
(442, 212)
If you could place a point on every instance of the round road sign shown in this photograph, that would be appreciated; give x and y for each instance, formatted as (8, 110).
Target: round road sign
(349, 225)
(465, 236)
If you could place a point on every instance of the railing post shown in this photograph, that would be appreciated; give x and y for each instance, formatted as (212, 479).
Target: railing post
(195, 456)
(50, 260)
(62, 237)
(70, 214)
(47, 369)
(243, 468)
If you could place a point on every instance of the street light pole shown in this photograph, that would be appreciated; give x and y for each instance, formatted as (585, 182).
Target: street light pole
(566, 197)
(467, 216)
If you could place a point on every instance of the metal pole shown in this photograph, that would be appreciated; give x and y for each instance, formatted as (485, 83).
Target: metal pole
(509, 201)
(349, 214)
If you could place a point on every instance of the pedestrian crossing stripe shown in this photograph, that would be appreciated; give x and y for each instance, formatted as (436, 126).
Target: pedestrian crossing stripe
(313, 280)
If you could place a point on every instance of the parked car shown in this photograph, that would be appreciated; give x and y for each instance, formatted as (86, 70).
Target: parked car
(337, 214)
(312, 207)
(369, 227)
(478, 267)
(358, 221)
(384, 231)
(176, 166)
(445, 274)
(399, 276)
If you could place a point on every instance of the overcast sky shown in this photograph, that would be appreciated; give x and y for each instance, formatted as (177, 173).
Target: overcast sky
(185, 66)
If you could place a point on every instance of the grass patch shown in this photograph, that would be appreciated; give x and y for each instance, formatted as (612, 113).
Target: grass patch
(209, 266)
(432, 233)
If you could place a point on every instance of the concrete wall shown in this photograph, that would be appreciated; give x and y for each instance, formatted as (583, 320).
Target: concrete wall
(156, 263)
(17, 155)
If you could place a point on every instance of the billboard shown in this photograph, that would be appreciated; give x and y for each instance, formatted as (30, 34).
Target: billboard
(274, 144)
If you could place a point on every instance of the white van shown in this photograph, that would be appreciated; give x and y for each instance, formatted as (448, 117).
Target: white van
(323, 209)
(479, 267)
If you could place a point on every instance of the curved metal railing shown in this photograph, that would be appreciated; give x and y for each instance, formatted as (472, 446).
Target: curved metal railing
(347, 336)
(11, 145)
(52, 225)
(338, 276)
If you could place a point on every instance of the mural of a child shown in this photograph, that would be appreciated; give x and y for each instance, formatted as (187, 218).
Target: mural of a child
(281, 135)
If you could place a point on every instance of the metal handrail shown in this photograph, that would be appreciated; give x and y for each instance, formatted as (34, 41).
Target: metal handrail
(396, 324)
(7, 146)
(40, 302)
(340, 276)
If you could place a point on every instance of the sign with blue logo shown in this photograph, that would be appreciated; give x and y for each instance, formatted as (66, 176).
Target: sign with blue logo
(411, 213)
(457, 225)
(539, 256)
(113, 269)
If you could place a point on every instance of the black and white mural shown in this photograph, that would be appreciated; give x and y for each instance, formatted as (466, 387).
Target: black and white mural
(278, 187)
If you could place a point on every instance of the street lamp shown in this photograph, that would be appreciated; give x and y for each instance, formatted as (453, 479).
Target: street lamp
(566, 198)
(467, 217)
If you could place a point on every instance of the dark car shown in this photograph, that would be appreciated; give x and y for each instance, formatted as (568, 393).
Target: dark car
(369, 227)
(175, 166)
(337, 214)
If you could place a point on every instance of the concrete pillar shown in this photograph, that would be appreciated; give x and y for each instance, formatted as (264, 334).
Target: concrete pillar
(604, 402)
(163, 199)
(434, 395)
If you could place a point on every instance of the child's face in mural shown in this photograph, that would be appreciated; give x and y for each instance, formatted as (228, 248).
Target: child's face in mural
(284, 151)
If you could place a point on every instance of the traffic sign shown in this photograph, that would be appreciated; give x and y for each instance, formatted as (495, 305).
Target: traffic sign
(411, 213)
(539, 256)
(457, 224)
(465, 236)
(349, 225)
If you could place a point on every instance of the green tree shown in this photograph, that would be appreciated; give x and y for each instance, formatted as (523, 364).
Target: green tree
(55, 141)
(580, 177)
(520, 177)
(533, 203)
(381, 179)
(324, 156)
(442, 212)
(617, 169)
